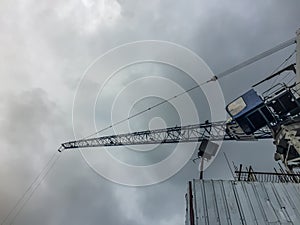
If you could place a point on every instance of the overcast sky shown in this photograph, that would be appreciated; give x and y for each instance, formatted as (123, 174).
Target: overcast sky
(45, 47)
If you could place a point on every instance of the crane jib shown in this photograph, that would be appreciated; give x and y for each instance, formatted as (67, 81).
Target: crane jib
(191, 133)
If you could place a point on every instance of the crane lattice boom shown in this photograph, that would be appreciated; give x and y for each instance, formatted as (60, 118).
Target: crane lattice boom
(190, 133)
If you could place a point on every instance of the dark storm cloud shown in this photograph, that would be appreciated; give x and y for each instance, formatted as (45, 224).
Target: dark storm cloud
(32, 125)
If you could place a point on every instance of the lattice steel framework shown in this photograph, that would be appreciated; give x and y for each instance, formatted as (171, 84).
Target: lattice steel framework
(191, 133)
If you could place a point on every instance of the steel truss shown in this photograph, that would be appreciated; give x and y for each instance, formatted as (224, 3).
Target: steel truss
(191, 133)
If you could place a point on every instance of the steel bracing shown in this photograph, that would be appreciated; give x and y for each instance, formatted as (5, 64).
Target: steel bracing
(190, 133)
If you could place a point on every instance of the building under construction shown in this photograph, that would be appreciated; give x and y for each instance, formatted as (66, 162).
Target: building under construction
(251, 198)
(212, 202)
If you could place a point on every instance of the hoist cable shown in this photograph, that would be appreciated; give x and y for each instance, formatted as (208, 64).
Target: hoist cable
(147, 109)
(34, 189)
(281, 65)
(44, 171)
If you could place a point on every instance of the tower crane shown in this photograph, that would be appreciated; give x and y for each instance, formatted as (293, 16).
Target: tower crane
(273, 115)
